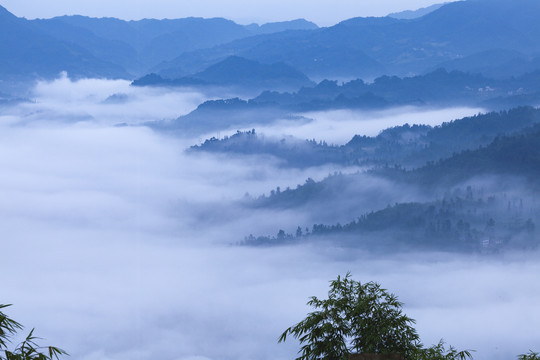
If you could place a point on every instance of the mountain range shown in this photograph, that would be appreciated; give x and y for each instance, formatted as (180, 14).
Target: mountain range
(481, 195)
(405, 146)
(109, 47)
(439, 88)
(370, 47)
(498, 38)
(237, 72)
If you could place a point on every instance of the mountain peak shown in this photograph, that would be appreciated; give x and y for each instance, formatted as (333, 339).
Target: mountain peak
(4, 13)
(274, 27)
(414, 14)
(239, 70)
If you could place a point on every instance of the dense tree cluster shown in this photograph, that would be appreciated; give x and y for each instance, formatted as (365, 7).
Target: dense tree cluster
(362, 318)
(407, 145)
(462, 221)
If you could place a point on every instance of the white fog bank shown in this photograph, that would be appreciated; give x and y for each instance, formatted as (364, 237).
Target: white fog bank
(116, 244)
(339, 126)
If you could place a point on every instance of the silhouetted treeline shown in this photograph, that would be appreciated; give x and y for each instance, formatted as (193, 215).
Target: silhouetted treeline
(294, 152)
(461, 221)
(406, 146)
(514, 155)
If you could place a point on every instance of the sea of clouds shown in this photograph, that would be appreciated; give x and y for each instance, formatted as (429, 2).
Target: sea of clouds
(118, 244)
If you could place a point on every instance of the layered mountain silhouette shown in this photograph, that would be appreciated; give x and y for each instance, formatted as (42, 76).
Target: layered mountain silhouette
(28, 51)
(370, 47)
(435, 89)
(406, 146)
(235, 71)
(498, 38)
(112, 48)
(155, 41)
(414, 14)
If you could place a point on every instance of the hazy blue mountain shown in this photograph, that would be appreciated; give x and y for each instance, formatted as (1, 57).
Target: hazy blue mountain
(28, 51)
(477, 25)
(238, 72)
(514, 155)
(488, 36)
(191, 34)
(461, 221)
(274, 27)
(214, 116)
(497, 63)
(309, 51)
(155, 41)
(475, 213)
(370, 47)
(505, 143)
(455, 30)
(438, 88)
(291, 151)
(414, 14)
(156, 80)
(109, 47)
(114, 51)
(406, 146)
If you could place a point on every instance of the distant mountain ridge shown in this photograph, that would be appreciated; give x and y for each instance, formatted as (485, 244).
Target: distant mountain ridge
(436, 89)
(405, 146)
(156, 41)
(483, 197)
(414, 14)
(496, 37)
(274, 27)
(112, 48)
(370, 47)
(28, 51)
(480, 198)
(235, 71)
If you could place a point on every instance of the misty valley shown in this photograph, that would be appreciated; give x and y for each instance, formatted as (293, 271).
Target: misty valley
(499, 173)
(177, 189)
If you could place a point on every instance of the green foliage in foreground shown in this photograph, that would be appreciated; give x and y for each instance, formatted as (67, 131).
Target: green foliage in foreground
(531, 355)
(439, 352)
(362, 318)
(27, 349)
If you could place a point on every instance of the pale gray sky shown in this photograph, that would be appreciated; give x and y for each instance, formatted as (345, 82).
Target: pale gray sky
(323, 12)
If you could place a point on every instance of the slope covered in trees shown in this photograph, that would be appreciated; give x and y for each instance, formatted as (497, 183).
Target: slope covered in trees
(407, 146)
(482, 199)
(462, 221)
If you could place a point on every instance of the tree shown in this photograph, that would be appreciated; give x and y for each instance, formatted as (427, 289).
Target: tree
(439, 352)
(356, 317)
(364, 318)
(26, 350)
(531, 355)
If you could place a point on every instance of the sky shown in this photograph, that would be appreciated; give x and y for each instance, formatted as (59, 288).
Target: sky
(322, 12)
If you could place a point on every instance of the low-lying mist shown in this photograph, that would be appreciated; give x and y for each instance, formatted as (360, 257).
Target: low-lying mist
(118, 244)
(339, 126)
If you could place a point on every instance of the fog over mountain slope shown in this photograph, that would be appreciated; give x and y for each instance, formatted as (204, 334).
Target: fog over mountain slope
(129, 238)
